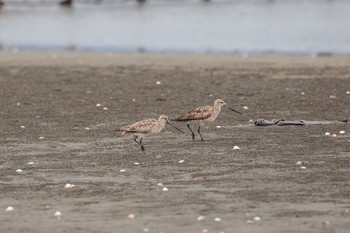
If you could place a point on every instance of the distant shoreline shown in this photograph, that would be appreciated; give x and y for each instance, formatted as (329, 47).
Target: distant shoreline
(206, 60)
(68, 49)
(252, 27)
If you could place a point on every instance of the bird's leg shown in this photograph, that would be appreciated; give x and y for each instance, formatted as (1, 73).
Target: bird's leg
(142, 147)
(193, 136)
(136, 137)
(199, 131)
(139, 143)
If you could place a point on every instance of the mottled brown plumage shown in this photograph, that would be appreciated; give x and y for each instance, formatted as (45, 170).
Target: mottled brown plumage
(202, 115)
(143, 127)
(146, 127)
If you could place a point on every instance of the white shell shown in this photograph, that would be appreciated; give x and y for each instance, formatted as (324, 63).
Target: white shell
(133, 100)
(303, 167)
(302, 93)
(333, 135)
(342, 132)
(19, 170)
(136, 164)
(98, 105)
(131, 216)
(145, 229)
(326, 222)
(58, 214)
(348, 92)
(299, 163)
(160, 184)
(217, 219)
(327, 134)
(236, 148)
(257, 218)
(69, 186)
(181, 161)
(158, 83)
(122, 170)
(23, 127)
(332, 97)
(10, 208)
(41, 138)
(245, 107)
(249, 221)
(87, 128)
(105, 108)
(165, 189)
(200, 218)
(31, 163)
(218, 127)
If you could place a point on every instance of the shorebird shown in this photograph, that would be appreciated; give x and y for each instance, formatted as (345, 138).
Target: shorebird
(202, 115)
(67, 3)
(146, 127)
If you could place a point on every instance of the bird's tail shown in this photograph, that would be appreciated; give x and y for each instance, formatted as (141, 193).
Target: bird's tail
(117, 130)
(120, 130)
(176, 119)
(179, 119)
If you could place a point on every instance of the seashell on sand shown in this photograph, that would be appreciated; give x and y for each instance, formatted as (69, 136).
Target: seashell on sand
(10, 208)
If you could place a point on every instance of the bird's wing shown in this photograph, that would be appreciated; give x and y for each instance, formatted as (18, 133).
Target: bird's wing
(140, 126)
(200, 113)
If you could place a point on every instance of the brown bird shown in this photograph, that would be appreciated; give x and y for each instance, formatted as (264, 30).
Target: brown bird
(67, 3)
(146, 127)
(202, 115)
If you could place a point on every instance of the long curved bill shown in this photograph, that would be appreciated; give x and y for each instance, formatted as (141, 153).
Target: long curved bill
(233, 110)
(175, 127)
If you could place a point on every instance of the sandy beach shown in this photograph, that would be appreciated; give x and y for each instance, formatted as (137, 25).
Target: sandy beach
(50, 120)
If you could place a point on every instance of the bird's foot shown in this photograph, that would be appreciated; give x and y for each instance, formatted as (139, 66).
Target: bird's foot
(193, 137)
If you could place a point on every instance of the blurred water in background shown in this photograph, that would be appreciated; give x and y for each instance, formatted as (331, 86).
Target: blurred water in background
(281, 26)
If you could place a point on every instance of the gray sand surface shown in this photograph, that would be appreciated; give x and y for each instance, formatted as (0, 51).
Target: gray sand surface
(54, 95)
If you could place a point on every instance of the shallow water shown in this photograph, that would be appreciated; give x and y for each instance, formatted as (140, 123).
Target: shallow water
(300, 26)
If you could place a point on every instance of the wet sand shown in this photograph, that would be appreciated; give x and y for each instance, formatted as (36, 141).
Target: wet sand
(54, 95)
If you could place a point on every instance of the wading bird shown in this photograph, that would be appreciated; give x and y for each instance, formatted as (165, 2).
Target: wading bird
(146, 127)
(203, 115)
